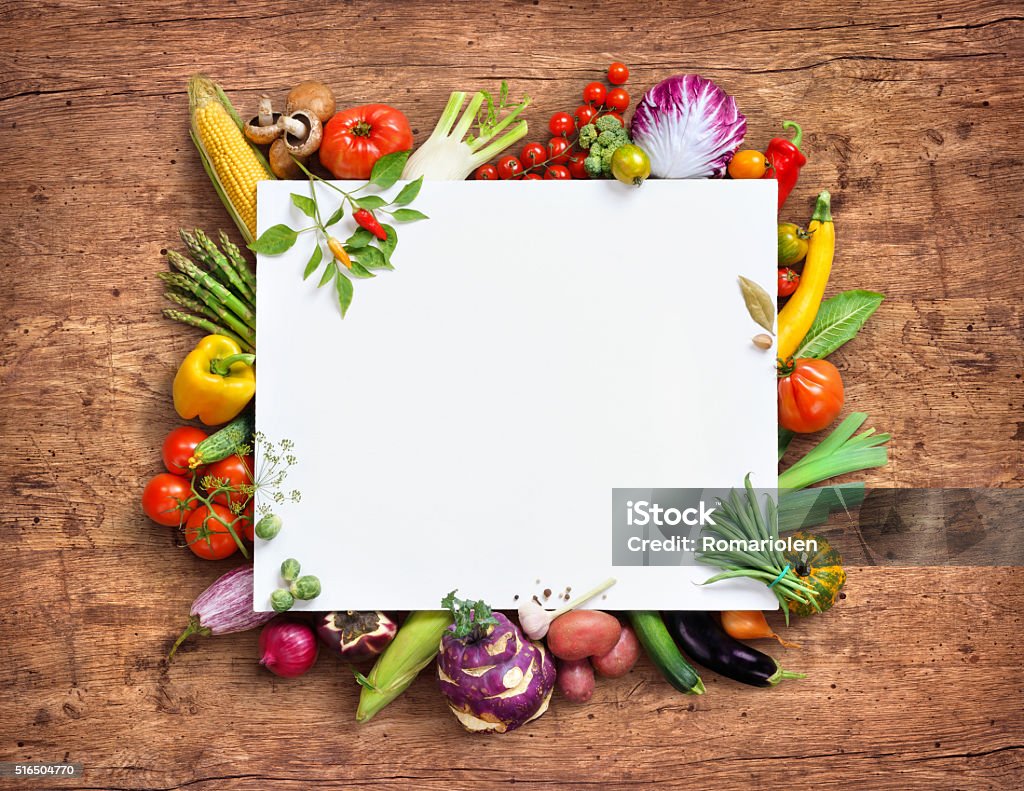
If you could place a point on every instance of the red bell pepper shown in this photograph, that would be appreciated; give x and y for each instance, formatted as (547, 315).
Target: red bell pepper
(786, 159)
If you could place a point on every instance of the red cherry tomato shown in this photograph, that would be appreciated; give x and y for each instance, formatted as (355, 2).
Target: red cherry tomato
(532, 177)
(618, 99)
(788, 281)
(616, 116)
(234, 471)
(810, 396)
(164, 500)
(486, 173)
(557, 173)
(584, 115)
(561, 124)
(509, 167)
(178, 448)
(594, 93)
(557, 150)
(533, 154)
(618, 73)
(575, 165)
(246, 526)
(354, 139)
(207, 535)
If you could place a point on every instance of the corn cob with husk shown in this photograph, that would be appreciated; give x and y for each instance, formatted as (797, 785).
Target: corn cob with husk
(232, 162)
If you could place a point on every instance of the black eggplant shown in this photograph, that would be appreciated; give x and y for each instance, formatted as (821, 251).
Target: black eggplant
(702, 638)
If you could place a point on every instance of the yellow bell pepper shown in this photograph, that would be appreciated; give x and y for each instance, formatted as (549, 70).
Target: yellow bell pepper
(215, 381)
(797, 316)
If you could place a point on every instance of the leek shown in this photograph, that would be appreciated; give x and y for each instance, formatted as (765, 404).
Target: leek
(839, 453)
(449, 154)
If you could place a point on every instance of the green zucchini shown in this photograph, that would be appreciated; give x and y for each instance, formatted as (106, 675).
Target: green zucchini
(662, 650)
(225, 442)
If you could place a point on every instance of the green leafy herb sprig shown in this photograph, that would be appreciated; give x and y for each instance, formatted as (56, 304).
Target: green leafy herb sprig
(362, 253)
(472, 618)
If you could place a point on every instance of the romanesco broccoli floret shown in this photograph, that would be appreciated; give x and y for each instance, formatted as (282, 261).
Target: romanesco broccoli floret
(588, 134)
(606, 159)
(592, 164)
(611, 139)
(607, 124)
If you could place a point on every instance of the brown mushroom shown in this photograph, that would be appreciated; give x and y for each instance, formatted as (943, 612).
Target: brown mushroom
(264, 128)
(282, 163)
(302, 132)
(312, 95)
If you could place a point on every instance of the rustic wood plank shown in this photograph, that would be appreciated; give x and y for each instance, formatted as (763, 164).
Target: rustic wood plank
(912, 119)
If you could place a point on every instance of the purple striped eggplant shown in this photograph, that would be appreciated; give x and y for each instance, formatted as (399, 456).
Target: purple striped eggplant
(224, 607)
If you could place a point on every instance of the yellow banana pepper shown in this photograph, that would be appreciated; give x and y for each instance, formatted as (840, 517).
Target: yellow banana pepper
(799, 313)
(215, 381)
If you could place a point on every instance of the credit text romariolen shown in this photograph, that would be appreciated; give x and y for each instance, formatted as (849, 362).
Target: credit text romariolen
(712, 544)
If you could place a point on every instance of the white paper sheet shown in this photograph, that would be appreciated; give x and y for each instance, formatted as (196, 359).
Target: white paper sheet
(538, 344)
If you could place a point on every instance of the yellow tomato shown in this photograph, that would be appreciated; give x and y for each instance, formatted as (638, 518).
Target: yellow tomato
(748, 165)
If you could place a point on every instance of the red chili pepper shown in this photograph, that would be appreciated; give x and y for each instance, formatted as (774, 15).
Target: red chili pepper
(786, 159)
(365, 219)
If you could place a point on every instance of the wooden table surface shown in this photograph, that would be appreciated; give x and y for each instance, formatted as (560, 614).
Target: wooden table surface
(912, 112)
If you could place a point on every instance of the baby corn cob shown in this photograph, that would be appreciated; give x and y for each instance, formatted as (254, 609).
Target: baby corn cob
(232, 163)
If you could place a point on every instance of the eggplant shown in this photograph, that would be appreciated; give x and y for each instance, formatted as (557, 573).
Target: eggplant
(704, 640)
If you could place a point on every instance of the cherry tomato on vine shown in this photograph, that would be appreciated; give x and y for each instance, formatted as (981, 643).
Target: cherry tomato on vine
(584, 115)
(810, 395)
(557, 150)
(509, 167)
(557, 173)
(236, 471)
(164, 499)
(246, 526)
(575, 165)
(618, 73)
(616, 116)
(179, 446)
(486, 173)
(788, 281)
(618, 99)
(594, 93)
(533, 154)
(561, 124)
(748, 164)
(532, 177)
(208, 537)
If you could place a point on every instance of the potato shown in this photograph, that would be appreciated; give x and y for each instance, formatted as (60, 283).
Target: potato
(582, 633)
(575, 680)
(621, 658)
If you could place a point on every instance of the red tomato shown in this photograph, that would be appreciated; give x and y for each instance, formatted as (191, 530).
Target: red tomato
(509, 167)
(165, 499)
(208, 536)
(557, 150)
(575, 165)
(246, 526)
(788, 281)
(584, 115)
(355, 139)
(618, 99)
(486, 173)
(236, 471)
(561, 124)
(178, 448)
(533, 154)
(811, 396)
(618, 73)
(557, 173)
(532, 177)
(595, 93)
(616, 116)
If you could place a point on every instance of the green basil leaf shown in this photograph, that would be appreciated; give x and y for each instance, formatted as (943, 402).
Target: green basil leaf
(305, 205)
(409, 192)
(408, 215)
(372, 258)
(360, 238)
(839, 319)
(360, 271)
(275, 240)
(388, 169)
(760, 303)
(344, 288)
(371, 202)
(329, 272)
(314, 261)
(388, 245)
(336, 217)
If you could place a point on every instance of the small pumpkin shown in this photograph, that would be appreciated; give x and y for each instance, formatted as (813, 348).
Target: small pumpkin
(822, 570)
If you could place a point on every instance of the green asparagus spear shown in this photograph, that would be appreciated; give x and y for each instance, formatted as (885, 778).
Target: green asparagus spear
(207, 326)
(221, 264)
(235, 257)
(225, 316)
(189, 303)
(223, 295)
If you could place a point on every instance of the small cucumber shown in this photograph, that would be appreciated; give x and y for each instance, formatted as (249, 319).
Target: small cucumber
(661, 648)
(225, 442)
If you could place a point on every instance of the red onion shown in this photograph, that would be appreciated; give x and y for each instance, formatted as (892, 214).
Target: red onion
(288, 647)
